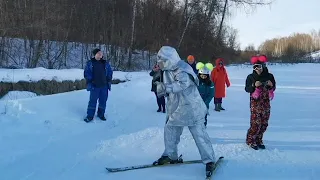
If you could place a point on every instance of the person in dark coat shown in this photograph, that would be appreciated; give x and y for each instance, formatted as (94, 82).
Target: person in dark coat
(98, 75)
(192, 62)
(157, 76)
(261, 86)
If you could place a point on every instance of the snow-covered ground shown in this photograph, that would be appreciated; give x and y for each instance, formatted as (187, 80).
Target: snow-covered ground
(315, 55)
(37, 74)
(45, 138)
(14, 95)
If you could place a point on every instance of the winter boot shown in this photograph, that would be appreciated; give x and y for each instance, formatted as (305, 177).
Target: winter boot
(159, 109)
(209, 168)
(101, 114)
(88, 119)
(220, 107)
(216, 107)
(261, 146)
(163, 109)
(255, 147)
(102, 118)
(165, 160)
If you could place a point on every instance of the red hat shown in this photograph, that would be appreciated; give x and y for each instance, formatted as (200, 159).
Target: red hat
(254, 59)
(259, 59)
(263, 58)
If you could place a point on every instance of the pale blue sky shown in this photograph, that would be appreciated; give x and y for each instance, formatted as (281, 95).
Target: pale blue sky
(282, 18)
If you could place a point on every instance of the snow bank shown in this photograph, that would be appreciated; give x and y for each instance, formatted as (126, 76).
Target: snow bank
(14, 95)
(315, 55)
(37, 74)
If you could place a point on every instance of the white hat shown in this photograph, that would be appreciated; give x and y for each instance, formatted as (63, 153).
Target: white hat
(204, 71)
(204, 68)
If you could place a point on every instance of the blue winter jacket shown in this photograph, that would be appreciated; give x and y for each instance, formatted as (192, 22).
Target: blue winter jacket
(88, 74)
(206, 91)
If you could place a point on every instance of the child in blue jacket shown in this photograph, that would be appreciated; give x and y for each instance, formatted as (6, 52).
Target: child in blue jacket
(206, 87)
(98, 75)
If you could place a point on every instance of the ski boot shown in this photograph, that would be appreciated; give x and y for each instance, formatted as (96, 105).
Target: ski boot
(209, 169)
(166, 160)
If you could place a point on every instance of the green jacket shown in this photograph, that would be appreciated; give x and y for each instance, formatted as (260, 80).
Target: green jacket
(207, 92)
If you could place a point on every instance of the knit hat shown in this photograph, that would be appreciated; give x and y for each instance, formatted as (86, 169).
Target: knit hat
(190, 58)
(204, 68)
(95, 51)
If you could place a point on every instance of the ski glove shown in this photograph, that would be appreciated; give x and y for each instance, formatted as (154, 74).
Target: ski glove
(256, 93)
(271, 94)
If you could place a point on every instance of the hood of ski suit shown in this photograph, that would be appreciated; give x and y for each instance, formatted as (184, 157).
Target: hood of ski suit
(169, 56)
(185, 106)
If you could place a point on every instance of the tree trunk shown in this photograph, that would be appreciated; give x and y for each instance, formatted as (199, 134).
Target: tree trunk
(132, 33)
(222, 19)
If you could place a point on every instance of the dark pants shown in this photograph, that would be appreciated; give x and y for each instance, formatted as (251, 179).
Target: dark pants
(217, 100)
(161, 102)
(100, 94)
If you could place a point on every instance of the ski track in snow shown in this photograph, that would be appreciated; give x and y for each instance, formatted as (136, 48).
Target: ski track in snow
(45, 137)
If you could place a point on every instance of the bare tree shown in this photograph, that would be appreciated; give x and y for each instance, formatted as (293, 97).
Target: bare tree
(132, 32)
(223, 16)
(46, 29)
(292, 47)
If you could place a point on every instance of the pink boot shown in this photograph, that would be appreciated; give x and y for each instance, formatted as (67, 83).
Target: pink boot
(256, 93)
(271, 94)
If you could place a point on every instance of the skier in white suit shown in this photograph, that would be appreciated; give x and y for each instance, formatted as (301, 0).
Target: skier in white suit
(185, 107)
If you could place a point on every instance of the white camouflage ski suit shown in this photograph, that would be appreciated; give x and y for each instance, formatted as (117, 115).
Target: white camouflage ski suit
(185, 106)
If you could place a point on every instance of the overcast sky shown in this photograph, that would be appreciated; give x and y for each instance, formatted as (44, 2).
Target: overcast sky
(282, 18)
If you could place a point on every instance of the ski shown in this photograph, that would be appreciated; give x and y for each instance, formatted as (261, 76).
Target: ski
(210, 173)
(181, 162)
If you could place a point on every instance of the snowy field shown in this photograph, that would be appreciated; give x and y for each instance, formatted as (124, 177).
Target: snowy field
(45, 138)
(37, 74)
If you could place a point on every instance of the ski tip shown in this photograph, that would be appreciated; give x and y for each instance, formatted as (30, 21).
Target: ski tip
(110, 170)
(221, 157)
